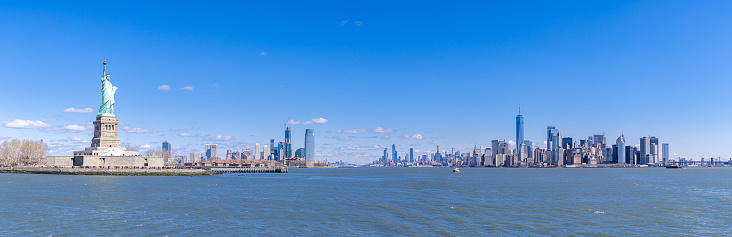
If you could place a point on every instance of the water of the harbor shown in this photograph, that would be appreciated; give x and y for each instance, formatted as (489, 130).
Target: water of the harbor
(374, 201)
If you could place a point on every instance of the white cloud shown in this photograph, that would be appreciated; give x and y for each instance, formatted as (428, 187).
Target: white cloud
(146, 146)
(360, 130)
(71, 128)
(164, 88)
(76, 139)
(263, 53)
(386, 137)
(415, 136)
(188, 88)
(136, 130)
(188, 135)
(358, 23)
(4, 138)
(74, 110)
(320, 121)
(25, 124)
(383, 130)
(222, 138)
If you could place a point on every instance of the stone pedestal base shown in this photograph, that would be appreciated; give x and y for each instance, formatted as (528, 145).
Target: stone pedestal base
(105, 132)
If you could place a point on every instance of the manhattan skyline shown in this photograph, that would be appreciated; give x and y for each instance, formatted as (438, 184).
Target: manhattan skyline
(366, 76)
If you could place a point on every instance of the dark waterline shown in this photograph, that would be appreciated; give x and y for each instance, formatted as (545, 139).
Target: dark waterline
(375, 201)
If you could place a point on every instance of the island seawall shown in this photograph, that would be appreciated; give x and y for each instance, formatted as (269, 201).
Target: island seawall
(105, 171)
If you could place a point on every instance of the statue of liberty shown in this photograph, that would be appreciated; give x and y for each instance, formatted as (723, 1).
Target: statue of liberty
(107, 107)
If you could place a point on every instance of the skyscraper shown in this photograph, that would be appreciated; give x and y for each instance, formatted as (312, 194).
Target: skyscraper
(211, 152)
(272, 147)
(265, 152)
(645, 150)
(655, 157)
(280, 151)
(288, 143)
(166, 147)
(599, 139)
(256, 151)
(665, 153)
(553, 142)
(246, 153)
(195, 157)
(621, 149)
(411, 154)
(567, 143)
(519, 133)
(394, 153)
(309, 144)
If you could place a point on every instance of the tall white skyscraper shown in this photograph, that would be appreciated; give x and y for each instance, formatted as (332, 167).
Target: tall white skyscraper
(256, 151)
(265, 152)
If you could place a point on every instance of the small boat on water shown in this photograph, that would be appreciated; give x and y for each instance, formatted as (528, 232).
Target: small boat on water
(674, 167)
(456, 170)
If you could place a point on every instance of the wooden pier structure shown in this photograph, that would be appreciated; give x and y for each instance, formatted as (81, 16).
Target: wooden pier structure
(249, 170)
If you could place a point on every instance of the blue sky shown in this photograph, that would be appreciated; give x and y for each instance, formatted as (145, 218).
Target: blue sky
(449, 74)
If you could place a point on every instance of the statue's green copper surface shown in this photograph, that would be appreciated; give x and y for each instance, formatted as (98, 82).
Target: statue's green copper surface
(107, 107)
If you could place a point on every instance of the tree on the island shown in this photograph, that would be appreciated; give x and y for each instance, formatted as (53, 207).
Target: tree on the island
(130, 148)
(25, 152)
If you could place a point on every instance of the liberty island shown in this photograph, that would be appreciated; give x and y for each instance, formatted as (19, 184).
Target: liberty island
(105, 149)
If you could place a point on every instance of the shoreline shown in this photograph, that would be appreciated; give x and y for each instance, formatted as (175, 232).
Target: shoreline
(105, 172)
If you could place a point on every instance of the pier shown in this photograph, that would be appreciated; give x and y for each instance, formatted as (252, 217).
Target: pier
(249, 170)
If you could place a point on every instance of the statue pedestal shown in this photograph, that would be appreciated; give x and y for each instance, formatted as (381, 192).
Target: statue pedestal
(105, 132)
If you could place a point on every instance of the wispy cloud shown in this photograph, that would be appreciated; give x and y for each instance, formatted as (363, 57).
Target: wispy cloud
(386, 136)
(415, 136)
(135, 130)
(358, 23)
(383, 130)
(263, 53)
(71, 128)
(4, 138)
(360, 130)
(74, 110)
(319, 121)
(77, 139)
(146, 146)
(25, 124)
(164, 88)
(188, 135)
(188, 88)
(222, 138)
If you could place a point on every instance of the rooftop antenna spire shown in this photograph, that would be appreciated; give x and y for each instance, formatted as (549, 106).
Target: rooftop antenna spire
(519, 108)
